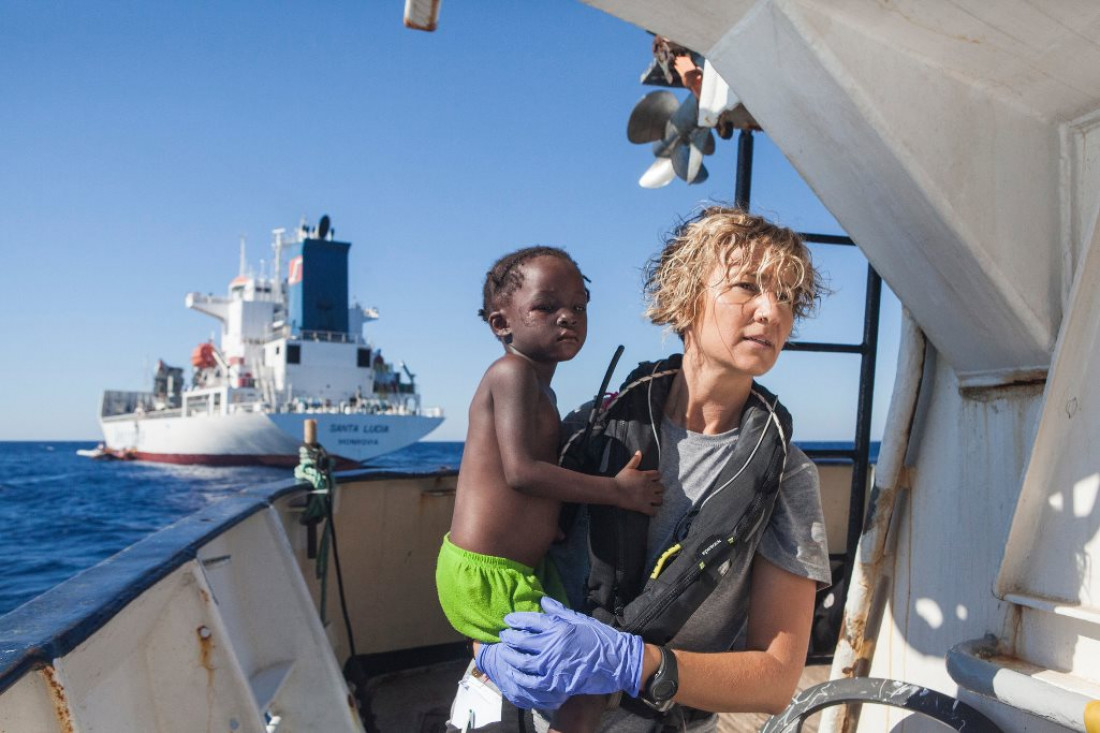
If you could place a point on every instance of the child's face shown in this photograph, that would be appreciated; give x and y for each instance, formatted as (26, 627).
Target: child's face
(742, 326)
(547, 317)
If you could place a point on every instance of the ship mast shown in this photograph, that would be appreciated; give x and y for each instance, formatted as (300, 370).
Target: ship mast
(277, 283)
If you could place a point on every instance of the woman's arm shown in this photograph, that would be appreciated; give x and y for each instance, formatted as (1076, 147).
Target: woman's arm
(762, 678)
(567, 653)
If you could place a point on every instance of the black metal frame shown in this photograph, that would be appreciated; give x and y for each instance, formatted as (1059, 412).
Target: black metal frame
(952, 713)
(867, 349)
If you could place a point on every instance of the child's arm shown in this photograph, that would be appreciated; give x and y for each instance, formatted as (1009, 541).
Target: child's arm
(514, 391)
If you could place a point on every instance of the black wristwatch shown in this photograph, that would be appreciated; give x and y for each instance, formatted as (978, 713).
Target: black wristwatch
(664, 683)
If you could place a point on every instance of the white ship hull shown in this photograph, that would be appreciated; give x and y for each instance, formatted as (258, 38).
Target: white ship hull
(242, 438)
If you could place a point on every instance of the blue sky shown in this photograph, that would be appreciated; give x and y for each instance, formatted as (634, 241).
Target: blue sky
(140, 141)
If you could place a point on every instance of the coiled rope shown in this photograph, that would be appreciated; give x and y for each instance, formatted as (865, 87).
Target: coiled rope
(315, 468)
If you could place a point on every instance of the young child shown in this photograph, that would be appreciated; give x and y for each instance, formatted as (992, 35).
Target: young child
(731, 285)
(510, 488)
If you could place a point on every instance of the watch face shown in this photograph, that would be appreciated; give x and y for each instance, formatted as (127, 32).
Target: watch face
(663, 689)
(664, 684)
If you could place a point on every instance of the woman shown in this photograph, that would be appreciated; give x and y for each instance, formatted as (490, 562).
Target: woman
(714, 595)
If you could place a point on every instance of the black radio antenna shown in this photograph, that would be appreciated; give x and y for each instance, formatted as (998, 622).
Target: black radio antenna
(600, 395)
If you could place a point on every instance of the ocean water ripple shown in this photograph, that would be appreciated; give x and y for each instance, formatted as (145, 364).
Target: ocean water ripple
(62, 513)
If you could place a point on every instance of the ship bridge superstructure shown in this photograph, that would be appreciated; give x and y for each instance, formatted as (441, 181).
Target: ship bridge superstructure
(297, 341)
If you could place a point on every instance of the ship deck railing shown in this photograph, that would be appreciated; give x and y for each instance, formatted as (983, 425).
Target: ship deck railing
(338, 337)
(233, 408)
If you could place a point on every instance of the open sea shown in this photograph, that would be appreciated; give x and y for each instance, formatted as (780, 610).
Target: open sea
(61, 513)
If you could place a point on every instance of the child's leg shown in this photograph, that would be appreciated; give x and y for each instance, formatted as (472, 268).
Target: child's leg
(580, 714)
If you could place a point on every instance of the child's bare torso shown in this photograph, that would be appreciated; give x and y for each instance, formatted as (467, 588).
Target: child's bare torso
(491, 517)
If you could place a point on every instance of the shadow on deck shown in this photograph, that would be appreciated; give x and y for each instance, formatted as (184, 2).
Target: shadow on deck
(418, 700)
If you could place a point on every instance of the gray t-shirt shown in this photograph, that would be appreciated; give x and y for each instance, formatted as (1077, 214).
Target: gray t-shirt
(794, 540)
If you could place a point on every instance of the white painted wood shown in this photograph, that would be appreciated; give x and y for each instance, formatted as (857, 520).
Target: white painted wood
(1049, 564)
(274, 629)
(29, 707)
(149, 665)
(267, 682)
(968, 462)
(392, 531)
(225, 644)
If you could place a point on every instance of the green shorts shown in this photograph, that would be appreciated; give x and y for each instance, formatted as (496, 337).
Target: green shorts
(477, 591)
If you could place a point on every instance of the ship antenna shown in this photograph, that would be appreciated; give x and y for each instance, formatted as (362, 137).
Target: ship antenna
(242, 272)
(277, 245)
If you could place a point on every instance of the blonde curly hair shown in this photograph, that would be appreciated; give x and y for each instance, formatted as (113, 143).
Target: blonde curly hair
(742, 244)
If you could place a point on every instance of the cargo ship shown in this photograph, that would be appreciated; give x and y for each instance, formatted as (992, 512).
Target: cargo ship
(291, 349)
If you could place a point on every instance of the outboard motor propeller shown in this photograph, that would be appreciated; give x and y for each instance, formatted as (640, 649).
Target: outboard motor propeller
(678, 141)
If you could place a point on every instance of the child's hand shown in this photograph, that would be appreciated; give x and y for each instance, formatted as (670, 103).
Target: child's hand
(639, 491)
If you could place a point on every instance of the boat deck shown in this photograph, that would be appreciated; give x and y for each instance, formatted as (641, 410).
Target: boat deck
(751, 722)
(418, 700)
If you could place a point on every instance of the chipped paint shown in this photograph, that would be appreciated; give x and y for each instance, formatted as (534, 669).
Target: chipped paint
(982, 668)
(1010, 634)
(870, 578)
(56, 692)
(206, 646)
(206, 649)
(1029, 387)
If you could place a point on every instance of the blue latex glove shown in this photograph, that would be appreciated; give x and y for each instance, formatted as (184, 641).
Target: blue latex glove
(569, 653)
(520, 689)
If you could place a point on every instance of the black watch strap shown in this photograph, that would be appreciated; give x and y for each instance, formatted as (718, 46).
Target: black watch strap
(664, 683)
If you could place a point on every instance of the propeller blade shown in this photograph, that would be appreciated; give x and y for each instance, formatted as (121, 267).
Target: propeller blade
(703, 139)
(686, 161)
(663, 148)
(648, 118)
(657, 175)
(685, 119)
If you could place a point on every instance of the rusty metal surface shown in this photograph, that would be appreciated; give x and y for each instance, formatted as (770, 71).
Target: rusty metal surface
(56, 622)
(56, 692)
(870, 581)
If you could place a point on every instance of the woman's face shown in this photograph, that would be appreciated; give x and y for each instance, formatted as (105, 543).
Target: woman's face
(743, 325)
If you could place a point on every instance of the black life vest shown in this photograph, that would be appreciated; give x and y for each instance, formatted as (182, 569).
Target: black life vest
(720, 528)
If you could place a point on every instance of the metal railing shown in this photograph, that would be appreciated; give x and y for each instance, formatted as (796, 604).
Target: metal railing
(859, 454)
(284, 331)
